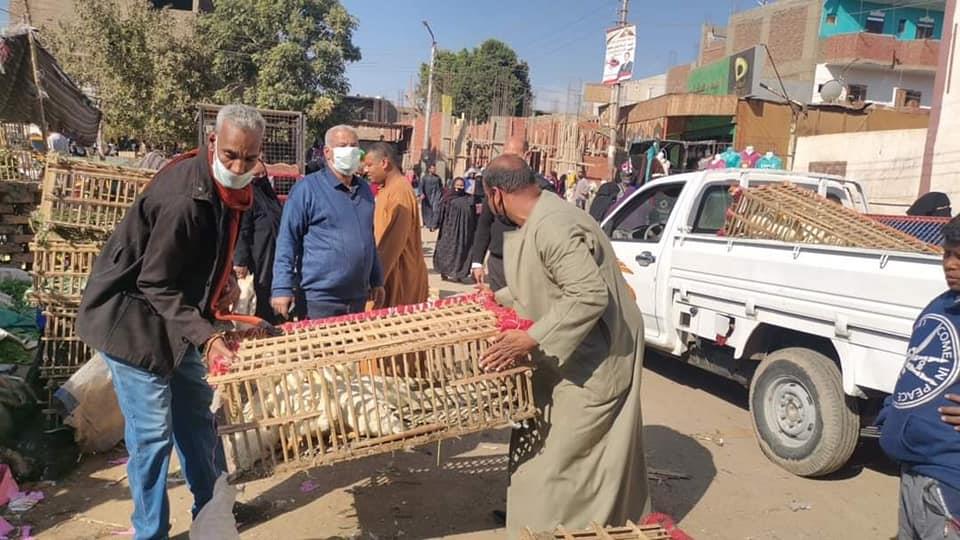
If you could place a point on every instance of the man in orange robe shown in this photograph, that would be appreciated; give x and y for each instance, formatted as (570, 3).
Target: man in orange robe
(396, 225)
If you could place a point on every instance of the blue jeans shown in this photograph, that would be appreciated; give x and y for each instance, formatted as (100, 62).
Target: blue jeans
(161, 412)
(322, 310)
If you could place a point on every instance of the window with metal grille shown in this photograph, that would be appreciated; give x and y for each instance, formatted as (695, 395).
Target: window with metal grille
(874, 23)
(911, 98)
(925, 28)
(901, 26)
(856, 93)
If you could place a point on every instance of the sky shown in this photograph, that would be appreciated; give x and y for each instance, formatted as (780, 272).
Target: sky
(561, 40)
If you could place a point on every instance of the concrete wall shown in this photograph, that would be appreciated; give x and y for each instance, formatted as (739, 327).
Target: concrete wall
(942, 155)
(886, 163)
(882, 83)
(851, 17)
(643, 89)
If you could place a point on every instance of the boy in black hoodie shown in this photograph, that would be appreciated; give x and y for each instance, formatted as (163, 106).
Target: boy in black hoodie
(916, 419)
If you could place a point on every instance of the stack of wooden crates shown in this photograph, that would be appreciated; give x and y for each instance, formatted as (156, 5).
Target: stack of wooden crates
(20, 171)
(81, 204)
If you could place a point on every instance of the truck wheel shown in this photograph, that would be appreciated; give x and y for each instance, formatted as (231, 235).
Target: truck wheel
(801, 417)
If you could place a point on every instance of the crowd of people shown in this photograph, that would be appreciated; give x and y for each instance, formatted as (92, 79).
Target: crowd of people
(211, 216)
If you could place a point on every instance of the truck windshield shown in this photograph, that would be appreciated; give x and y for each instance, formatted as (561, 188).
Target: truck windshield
(644, 217)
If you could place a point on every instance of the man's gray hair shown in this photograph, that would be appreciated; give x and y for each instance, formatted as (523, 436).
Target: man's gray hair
(242, 116)
(328, 136)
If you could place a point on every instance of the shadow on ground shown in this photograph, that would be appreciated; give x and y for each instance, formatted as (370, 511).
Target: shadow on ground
(407, 494)
(669, 451)
(868, 454)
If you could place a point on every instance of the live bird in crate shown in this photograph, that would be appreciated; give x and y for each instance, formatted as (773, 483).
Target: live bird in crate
(162, 279)
(582, 461)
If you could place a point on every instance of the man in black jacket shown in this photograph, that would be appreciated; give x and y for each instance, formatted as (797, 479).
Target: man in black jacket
(150, 304)
(257, 243)
(490, 230)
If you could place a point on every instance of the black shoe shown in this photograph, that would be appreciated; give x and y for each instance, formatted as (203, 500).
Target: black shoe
(467, 281)
(500, 516)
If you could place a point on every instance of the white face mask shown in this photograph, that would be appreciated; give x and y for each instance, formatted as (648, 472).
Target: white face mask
(225, 176)
(346, 159)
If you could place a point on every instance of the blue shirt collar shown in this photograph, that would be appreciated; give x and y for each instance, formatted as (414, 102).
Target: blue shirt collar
(335, 182)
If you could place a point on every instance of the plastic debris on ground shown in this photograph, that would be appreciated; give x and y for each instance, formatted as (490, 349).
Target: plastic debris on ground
(215, 520)
(89, 405)
(24, 501)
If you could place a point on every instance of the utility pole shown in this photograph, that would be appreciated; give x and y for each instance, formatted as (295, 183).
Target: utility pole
(615, 106)
(426, 120)
(36, 71)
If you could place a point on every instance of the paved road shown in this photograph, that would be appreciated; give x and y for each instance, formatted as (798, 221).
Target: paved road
(696, 425)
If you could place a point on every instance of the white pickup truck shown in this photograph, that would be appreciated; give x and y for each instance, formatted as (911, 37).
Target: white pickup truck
(818, 333)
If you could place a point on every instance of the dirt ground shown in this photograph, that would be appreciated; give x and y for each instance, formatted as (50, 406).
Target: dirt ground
(697, 425)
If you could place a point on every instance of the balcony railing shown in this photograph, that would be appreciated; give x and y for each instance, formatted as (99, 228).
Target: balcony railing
(880, 50)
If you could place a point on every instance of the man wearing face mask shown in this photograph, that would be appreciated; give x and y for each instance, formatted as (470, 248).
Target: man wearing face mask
(582, 460)
(326, 259)
(149, 307)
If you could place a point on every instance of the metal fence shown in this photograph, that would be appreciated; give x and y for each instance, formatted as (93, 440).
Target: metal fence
(283, 140)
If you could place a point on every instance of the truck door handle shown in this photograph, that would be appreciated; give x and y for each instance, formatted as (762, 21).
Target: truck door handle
(646, 259)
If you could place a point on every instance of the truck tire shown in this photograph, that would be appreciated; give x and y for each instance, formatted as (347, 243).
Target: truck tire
(801, 417)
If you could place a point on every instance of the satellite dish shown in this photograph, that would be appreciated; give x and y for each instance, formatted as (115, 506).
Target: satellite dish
(831, 90)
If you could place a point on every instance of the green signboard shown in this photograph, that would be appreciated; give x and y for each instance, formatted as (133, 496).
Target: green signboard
(735, 74)
(711, 79)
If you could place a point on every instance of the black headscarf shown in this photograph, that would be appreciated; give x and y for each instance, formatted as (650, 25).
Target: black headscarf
(934, 203)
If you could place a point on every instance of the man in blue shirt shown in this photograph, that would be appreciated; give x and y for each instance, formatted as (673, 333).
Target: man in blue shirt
(916, 419)
(326, 253)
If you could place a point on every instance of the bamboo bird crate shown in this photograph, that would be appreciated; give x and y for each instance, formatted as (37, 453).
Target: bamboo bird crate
(60, 270)
(82, 196)
(791, 214)
(348, 387)
(629, 532)
(61, 351)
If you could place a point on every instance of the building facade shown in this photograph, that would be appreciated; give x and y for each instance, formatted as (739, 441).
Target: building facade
(883, 51)
(50, 13)
(941, 156)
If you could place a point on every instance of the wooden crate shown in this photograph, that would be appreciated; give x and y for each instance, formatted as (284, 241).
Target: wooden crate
(60, 270)
(630, 532)
(84, 196)
(791, 214)
(61, 351)
(348, 387)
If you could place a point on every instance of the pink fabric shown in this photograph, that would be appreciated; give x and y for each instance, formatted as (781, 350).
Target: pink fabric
(5, 528)
(507, 319)
(8, 486)
(718, 164)
(749, 160)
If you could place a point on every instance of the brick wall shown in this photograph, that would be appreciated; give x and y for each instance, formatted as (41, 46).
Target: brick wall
(713, 44)
(880, 49)
(747, 33)
(677, 79)
(788, 34)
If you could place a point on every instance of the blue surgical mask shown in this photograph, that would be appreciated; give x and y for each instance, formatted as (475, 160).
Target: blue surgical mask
(226, 177)
(346, 159)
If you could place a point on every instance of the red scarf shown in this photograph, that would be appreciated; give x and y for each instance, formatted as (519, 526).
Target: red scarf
(236, 202)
